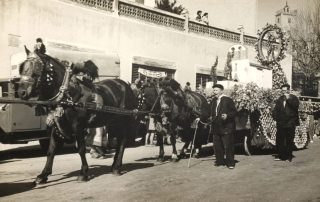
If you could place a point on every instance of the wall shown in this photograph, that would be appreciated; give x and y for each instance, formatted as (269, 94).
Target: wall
(69, 22)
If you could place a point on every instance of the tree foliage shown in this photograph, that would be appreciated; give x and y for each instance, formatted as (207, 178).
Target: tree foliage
(305, 35)
(170, 6)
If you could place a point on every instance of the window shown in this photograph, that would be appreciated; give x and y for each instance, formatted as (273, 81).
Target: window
(278, 20)
(289, 20)
(202, 79)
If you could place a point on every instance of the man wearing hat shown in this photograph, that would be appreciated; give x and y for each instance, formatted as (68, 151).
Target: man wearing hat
(39, 47)
(286, 114)
(223, 113)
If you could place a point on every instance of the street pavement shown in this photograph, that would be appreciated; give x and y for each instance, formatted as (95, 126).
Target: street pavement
(255, 178)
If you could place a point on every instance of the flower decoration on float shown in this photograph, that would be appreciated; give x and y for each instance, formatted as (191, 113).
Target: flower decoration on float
(275, 41)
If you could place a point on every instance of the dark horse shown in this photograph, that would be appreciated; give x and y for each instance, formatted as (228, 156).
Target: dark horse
(190, 111)
(156, 100)
(42, 76)
(181, 108)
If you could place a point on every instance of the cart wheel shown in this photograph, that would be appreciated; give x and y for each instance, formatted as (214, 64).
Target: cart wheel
(247, 145)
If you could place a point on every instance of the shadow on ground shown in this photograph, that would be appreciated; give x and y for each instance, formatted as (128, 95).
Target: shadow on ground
(31, 152)
(94, 172)
(7, 189)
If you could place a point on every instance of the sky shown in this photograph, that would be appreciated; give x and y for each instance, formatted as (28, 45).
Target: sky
(228, 14)
(267, 9)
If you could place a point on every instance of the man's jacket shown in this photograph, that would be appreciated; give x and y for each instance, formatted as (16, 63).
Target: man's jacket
(286, 115)
(226, 106)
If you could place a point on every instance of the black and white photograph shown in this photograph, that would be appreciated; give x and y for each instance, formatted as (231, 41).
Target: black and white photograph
(160, 100)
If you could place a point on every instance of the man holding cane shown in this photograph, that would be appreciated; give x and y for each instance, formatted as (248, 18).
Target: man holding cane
(223, 113)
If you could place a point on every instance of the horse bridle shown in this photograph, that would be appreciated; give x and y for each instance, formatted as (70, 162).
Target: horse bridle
(158, 99)
(30, 79)
(63, 87)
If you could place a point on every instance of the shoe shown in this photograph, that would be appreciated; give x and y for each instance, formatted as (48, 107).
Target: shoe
(277, 159)
(231, 167)
(289, 160)
(218, 164)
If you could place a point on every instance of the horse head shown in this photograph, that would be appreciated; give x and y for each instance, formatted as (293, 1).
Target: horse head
(40, 76)
(173, 90)
(154, 98)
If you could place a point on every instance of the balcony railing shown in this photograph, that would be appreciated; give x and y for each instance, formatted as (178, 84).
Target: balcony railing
(99, 4)
(155, 16)
(150, 15)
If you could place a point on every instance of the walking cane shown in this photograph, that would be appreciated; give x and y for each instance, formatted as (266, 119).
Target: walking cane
(194, 137)
(210, 127)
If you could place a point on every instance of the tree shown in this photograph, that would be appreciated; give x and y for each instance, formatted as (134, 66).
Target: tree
(170, 6)
(213, 71)
(305, 35)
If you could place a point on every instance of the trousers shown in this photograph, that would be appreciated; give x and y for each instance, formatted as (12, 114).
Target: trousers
(284, 142)
(223, 145)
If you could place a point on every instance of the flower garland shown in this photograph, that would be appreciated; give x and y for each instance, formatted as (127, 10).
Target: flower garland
(278, 76)
(272, 32)
(301, 136)
(309, 107)
(268, 31)
(251, 97)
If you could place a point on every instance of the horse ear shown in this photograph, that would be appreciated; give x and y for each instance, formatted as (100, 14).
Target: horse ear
(27, 50)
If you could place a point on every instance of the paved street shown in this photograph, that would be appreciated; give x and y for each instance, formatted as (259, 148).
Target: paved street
(255, 178)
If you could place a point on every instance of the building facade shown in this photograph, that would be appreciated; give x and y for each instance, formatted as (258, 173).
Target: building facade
(143, 38)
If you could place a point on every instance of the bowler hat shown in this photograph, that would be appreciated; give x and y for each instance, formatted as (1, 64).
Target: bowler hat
(218, 86)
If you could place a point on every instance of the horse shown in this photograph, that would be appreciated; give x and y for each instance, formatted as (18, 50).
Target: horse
(191, 111)
(180, 108)
(43, 76)
(154, 99)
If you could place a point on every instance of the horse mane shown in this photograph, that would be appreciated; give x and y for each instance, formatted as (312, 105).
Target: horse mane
(87, 67)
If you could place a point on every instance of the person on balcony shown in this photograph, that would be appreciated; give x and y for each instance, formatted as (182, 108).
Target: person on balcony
(286, 114)
(199, 16)
(205, 19)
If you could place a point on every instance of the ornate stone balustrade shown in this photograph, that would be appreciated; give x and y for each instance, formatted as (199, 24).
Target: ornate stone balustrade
(162, 18)
(198, 28)
(100, 4)
(154, 16)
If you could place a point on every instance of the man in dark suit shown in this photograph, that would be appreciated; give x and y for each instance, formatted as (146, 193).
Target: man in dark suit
(286, 114)
(223, 113)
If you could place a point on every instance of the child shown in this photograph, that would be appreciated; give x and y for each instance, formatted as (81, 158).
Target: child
(151, 131)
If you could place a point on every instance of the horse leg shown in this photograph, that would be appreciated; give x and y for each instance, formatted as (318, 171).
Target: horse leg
(83, 177)
(117, 160)
(47, 170)
(183, 149)
(161, 148)
(174, 155)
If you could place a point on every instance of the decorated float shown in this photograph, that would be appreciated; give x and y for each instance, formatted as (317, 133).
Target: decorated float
(254, 88)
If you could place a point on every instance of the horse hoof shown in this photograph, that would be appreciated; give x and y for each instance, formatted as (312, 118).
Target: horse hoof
(40, 180)
(182, 156)
(161, 159)
(82, 178)
(116, 172)
(174, 158)
(196, 155)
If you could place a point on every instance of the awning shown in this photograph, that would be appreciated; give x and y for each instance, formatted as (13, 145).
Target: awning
(107, 62)
(154, 62)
